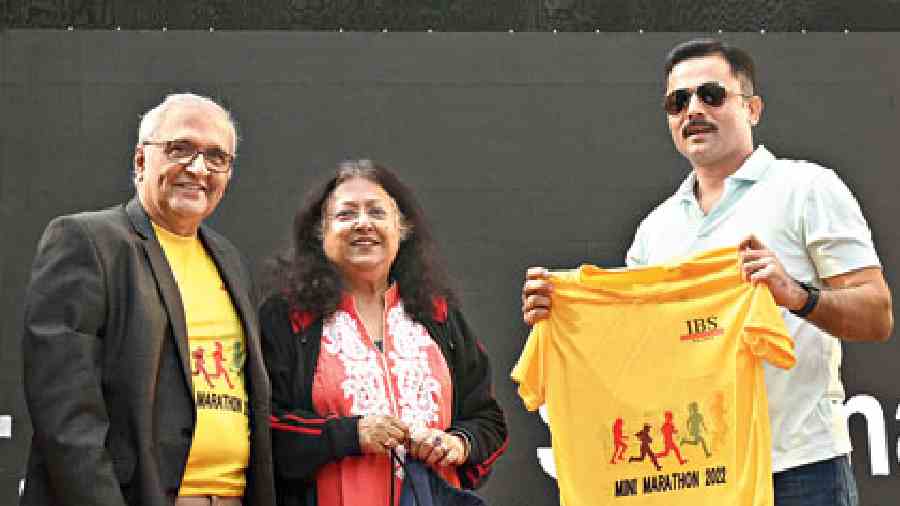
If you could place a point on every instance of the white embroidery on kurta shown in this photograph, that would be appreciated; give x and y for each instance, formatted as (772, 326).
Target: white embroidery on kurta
(364, 383)
(417, 389)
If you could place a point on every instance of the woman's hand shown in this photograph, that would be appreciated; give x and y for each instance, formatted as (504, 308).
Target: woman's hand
(381, 433)
(436, 447)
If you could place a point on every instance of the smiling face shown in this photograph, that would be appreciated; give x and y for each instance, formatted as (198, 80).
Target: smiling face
(712, 138)
(178, 197)
(361, 230)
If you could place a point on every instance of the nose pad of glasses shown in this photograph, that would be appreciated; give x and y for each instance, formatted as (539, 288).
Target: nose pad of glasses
(193, 166)
(363, 221)
(695, 99)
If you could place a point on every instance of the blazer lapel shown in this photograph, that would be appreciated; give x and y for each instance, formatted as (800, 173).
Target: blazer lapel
(165, 281)
(230, 270)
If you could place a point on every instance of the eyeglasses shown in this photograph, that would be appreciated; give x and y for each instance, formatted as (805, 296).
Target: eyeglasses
(712, 94)
(185, 152)
(353, 215)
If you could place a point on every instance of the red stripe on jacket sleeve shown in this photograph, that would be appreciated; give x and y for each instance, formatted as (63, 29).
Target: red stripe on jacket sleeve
(481, 470)
(293, 428)
(313, 421)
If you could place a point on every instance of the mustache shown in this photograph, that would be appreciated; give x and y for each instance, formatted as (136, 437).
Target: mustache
(697, 123)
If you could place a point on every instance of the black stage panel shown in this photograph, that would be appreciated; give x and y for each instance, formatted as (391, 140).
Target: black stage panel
(525, 149)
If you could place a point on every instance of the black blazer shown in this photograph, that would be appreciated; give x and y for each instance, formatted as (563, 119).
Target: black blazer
(106, 365)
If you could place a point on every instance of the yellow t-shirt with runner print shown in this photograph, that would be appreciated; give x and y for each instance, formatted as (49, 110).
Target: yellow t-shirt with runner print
(220, 450)
(654, 384)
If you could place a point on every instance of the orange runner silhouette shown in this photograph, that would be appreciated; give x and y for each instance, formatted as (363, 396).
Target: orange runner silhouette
(219, 359)
(668, 430)
(618, 441)
(199, 366)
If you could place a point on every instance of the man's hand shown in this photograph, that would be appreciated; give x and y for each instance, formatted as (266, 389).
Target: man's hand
(380, 433)
(436, 447)
(536, 295)
(855, 306)
(759, 264)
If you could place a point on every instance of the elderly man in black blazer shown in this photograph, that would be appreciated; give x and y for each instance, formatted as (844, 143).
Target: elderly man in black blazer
(142, 367)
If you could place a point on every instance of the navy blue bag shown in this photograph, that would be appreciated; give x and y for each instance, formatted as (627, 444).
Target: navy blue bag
(423, 487)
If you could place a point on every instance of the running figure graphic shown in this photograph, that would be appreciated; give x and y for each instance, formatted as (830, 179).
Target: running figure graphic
(718, 413)
(200, 365)
(219, 359)
(645, 439)
(668, 430)
(237, 357)
(619, 442)
(695, 427)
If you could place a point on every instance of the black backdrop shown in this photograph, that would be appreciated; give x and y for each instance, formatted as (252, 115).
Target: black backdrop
(457, 15)
(525, 149)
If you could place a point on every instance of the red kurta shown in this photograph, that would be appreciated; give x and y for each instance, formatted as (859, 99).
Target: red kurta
(409, 380)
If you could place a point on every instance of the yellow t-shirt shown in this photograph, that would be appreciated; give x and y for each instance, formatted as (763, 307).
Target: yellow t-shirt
(220, 450)
(654, 384)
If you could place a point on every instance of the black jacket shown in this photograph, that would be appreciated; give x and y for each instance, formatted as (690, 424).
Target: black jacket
(107, 369)
(303, 440)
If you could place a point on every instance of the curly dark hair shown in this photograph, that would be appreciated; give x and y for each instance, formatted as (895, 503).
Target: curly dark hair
(312, 283)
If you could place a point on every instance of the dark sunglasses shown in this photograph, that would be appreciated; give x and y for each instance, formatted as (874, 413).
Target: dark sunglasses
(712, 94)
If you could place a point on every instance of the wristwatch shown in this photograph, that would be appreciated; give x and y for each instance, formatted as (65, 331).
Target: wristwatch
(812, 298)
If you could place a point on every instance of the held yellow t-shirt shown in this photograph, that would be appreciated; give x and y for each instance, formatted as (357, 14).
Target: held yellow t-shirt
(654, 384)
(220, 450)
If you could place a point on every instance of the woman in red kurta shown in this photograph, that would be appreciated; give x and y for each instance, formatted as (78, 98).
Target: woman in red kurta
(368, 352)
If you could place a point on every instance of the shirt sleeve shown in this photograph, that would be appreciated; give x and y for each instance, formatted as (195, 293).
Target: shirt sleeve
(837, 236)
(764, 331)
(637, 255)
(302, 440)
(477, 415)
(529, 370)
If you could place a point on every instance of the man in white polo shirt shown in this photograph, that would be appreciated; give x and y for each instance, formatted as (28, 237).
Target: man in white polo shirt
(800, 231)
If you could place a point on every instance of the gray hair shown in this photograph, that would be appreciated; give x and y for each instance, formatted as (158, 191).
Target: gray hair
(152, 119)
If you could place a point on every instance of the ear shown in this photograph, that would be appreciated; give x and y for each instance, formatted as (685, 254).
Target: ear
(320, 233)
(756, 106)
(138, 162)
(406, 229)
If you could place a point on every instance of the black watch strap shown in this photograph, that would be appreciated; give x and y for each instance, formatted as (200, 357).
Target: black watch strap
(811, 300)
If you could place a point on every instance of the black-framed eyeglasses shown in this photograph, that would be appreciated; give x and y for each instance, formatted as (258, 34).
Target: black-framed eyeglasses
(712, 94)
(185, 152)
